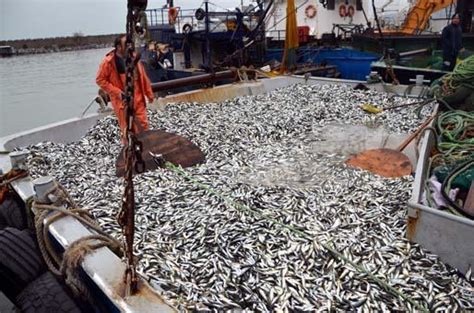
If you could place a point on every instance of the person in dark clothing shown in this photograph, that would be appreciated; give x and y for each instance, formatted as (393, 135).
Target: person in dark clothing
(451, 41)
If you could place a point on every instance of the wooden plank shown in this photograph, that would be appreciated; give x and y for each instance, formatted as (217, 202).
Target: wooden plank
(174, 148)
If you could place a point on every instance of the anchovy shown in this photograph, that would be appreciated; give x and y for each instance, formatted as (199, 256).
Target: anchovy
(277, 154)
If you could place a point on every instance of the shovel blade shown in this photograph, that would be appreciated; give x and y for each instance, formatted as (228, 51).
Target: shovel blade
(173, 148)
(384, 162)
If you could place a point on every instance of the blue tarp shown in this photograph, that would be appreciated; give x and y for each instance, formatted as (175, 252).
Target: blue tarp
(352, 64)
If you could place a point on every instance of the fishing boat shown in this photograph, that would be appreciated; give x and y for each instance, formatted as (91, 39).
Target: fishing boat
(192, 44)
(188, 42)
(414, 45)
(259, 115)
(102, 272)
(6, 51)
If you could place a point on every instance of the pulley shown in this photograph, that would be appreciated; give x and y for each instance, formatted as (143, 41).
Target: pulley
(200, 14)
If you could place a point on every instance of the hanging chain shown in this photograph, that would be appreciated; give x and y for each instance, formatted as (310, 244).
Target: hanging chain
(133, 160)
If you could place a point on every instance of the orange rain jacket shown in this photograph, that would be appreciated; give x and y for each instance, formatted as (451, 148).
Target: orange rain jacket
(113, 84)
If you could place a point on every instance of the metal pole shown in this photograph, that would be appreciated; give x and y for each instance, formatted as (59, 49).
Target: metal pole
(18, 159)
(208, 42)
(42, 186)
(193, 80)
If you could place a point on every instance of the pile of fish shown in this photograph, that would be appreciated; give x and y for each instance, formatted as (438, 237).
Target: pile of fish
(208, 254)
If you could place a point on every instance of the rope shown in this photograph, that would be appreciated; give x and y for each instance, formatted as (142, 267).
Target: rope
(330, 248)
(456, 131)
(446, 187)
(453, 132)
(100, 101)
(88, 107)
(75, 253)
(11, 176)
(462, 76)
(7, 179)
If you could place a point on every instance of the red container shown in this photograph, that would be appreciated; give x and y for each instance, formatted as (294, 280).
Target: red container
(303, 34)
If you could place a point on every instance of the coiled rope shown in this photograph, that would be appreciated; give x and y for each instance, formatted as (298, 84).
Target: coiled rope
(454, 135)
(75, 253)
(328, 247)
(462, 76)
(456, 130)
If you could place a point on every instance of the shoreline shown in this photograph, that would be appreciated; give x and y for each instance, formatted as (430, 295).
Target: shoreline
(57, 44)
(25, 52)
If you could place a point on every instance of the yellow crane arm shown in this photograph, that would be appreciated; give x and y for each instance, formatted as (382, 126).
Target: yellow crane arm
(419, 15)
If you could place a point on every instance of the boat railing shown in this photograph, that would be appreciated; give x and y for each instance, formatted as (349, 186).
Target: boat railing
(219, 21)
(158, 17)
(277, 35)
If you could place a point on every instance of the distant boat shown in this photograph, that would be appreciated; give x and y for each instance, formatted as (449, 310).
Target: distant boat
(6, 51)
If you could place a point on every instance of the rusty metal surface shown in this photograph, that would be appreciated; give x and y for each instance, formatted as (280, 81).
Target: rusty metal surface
(174, 149)
(445, 235)
(412, 224)
(193, 80)
(384, 162)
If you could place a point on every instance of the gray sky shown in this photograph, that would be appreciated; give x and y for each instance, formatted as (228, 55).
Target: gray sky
(21, 19)
(51, 18)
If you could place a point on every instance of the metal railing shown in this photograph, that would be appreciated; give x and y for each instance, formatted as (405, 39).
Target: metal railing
(219, 20)
(277, 35)
(158, 17)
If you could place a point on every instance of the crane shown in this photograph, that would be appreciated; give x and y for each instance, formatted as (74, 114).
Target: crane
(419, 15)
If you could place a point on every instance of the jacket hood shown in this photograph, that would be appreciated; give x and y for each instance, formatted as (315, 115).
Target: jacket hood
(110, 55)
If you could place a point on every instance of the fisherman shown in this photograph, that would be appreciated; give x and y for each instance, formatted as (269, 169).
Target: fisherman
(451, 41)
(111, 78)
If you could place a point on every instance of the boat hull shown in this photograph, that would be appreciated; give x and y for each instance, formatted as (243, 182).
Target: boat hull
(403, 43)
(405, 74)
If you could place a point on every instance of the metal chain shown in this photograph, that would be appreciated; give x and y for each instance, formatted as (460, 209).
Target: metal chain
(133, 159)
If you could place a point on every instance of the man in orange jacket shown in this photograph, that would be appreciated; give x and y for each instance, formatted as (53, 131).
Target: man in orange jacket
(111, 78)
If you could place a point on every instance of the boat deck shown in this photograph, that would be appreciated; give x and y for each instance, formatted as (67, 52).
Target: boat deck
(266, 161)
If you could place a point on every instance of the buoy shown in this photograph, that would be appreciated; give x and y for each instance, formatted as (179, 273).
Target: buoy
(172, 15)
(342, 10)
(350, 11)
(310, 11)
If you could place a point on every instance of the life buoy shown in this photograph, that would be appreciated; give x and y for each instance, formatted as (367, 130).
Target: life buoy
(350, 11)
(187, 28)
(172, 15)
(310, 11)
(342, 10)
